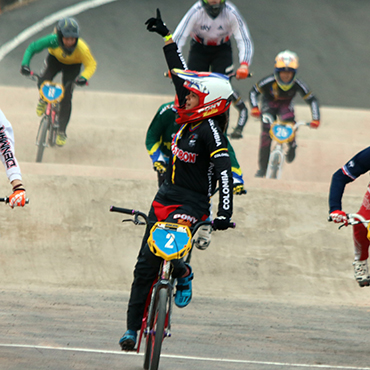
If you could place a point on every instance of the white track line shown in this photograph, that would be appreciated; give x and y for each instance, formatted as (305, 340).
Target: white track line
(193, 358)
(47, 21)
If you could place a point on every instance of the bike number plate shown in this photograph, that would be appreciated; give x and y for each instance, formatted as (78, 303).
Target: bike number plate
(282, 133)
(51, 92)
(169, 241)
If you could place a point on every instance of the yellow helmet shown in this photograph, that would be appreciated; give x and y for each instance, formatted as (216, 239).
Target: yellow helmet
(286, 61)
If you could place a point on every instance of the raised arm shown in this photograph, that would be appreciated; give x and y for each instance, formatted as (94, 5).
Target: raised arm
(173, 56)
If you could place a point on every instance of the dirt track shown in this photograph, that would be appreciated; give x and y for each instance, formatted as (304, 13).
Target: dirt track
(285, 269)
(69, 238)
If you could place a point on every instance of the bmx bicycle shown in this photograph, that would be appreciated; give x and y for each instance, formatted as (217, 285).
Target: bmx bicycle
(280, 133)
(169, 241)
(52, 93)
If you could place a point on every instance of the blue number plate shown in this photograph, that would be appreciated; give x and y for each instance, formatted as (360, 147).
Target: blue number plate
(282, 132)
(172, 242)
(52, 93)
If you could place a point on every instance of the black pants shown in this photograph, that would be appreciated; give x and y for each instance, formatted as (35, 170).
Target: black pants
(69, 75)
(217, 59)
(283, 109)
(204, 58)
(169, 203)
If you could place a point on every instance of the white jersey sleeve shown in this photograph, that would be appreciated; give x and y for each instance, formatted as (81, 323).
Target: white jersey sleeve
(241, 34)
(7, 149)
(187, 25)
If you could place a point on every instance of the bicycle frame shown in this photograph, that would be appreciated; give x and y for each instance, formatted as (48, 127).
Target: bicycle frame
(52, 111)
(52, 114)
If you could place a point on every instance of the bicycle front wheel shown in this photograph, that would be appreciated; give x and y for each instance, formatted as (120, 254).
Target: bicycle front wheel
(274, 166)
(41, 138)
(148, 350)
(157, 330)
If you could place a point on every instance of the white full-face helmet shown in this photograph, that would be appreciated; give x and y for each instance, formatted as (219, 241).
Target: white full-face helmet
(213, 89)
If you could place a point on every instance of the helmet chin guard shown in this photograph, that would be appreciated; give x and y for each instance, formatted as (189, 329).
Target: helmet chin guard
(213, 10)
(213, 89)
(286, 61)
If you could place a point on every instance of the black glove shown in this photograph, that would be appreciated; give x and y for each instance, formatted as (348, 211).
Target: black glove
(25, 71)
(157, 25)
(221, 223)
(81, 81)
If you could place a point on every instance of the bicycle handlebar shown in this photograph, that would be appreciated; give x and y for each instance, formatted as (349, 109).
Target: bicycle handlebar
(302, 123)
(353, 219)
(232, 225)
(137, 214)
(6, 200)
(122, 210)
(233, 74)
(35, 77)
(131, 212)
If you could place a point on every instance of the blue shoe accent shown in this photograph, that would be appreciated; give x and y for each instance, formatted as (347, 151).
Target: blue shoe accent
(184, 289)
(128, 341)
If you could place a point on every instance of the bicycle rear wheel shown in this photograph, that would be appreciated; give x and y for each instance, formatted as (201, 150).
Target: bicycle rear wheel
(53, 135)
(156, 333)
(41, 138)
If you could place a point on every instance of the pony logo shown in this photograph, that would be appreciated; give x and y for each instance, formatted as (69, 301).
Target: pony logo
(185, 218)
(212, 107)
